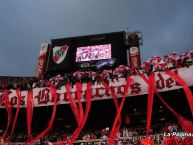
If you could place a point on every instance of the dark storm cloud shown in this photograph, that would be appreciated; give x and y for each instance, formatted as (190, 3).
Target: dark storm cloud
(166, 25)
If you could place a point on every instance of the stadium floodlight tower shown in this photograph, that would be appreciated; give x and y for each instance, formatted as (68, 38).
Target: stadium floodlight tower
(133, 41)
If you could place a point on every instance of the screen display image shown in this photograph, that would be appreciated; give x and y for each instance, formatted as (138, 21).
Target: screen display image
(95, 52)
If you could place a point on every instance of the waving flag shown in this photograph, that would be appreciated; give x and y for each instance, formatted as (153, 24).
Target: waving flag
(107, 62)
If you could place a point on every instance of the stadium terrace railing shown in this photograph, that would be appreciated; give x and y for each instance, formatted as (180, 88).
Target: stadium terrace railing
(157, 138)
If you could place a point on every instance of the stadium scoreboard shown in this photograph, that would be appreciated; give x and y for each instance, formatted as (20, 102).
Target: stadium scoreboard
(68, 54)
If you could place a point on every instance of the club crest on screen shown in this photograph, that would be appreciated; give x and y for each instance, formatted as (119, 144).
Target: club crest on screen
(59, 53)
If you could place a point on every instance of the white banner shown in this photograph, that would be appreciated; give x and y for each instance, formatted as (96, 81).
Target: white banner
(163, 82)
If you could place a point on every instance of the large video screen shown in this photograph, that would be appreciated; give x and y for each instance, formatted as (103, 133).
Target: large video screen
(87, 48)
(95, 52)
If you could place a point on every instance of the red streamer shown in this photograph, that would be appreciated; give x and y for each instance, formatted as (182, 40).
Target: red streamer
(53, 93)
(88, 105)
(78, 97)
(185, 87)
(185, 123)
(9, 112)
(115, 127)
(18, 92)
(73, 104)
(151, 89)
(146, 141)
(29, 112)
(115, 101)
(82, 123)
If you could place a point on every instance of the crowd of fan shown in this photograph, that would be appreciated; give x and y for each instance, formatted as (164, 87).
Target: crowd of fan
(126, 134)
(171, 61)
(23, 83)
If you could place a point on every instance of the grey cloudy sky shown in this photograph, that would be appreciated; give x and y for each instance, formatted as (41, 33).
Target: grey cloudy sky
(167, 26)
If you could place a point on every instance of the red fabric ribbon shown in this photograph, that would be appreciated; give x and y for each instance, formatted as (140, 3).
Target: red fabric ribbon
(187, 90)
(18, 92)
(9, 112)
(185, 123)
(73, 104)
(146, 141)
(29, 112)
(54, 95)
(170, 141)
(81, 122)
(115, 101)
(115, 127)
(78, 97)
(151, 89)
(88, 105)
